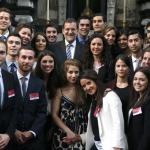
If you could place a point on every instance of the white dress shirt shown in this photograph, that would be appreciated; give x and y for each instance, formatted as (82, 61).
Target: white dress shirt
(135, 62)
(72, 48)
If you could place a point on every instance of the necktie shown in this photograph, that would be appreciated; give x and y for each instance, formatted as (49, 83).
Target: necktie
(12, 68)
(23, 82)
(3, 38)
(68, 51)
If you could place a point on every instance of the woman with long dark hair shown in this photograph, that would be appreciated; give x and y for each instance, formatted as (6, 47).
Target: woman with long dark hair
(97, 57)
(139, 114)
(121, 83)
(105, 129)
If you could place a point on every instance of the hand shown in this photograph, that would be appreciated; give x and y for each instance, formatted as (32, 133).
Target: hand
(19, 137)
(68, 139)
(4, 140)
(27, 135)
(76, 138)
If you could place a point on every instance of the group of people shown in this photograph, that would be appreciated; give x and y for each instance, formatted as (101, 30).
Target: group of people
(90, 91)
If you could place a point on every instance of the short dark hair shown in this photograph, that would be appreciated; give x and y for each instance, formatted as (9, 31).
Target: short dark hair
(51, 24)
(14, 34)
(100, 14)
(26, 47)
(83, 17)
(134, 31)
(69, 20)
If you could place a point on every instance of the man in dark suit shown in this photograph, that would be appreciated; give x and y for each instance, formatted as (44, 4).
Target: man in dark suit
(84, 24)
(13, 46)
(5, 23)
(69, 47)
(7, 102)
(135, 48)
(31, 106)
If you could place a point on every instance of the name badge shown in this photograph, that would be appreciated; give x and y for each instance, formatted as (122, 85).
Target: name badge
(137, 111)
(11, 93)
(34, 96)
(97, 110)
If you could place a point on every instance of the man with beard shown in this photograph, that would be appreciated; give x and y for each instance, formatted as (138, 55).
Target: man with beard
(13, 46)
(69, 47)
(5, 22)
(31, 106)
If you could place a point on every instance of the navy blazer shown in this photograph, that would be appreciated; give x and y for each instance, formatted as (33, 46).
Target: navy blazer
(139, 128)
(4, 66)
(59, 50)
(32, 109)
(7, 111)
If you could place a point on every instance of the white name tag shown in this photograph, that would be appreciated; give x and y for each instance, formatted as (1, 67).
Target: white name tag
(137, 111)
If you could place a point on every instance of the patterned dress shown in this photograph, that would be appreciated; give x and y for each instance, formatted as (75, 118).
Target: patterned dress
(73, 117)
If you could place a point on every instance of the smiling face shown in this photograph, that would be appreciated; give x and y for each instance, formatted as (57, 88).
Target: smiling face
(4, 20)
(51, 34)
(40, 43)
(96, 46)
(47, 64)
(70, 31)
(13, 45)
(72, 74)
(140, 82)
(123, 41)
(121, 68)
(89, 86)
(25, 61)
(110, 36)
(84, 27)
(26, 35)
(146, 60)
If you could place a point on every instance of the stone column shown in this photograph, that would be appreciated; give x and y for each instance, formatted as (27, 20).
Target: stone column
(111, 5)
(61, 11)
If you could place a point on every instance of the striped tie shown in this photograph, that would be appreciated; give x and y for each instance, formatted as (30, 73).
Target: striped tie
(68, 51)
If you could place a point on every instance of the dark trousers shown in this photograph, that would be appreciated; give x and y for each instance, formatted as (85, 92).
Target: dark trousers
(33, 144)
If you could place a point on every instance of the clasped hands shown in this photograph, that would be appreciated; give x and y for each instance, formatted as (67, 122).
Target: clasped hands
(23, 137)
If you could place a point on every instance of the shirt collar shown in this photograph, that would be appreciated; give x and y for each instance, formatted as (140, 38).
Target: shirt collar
(73, 43)
(20, 75)
(135, 59)
(10, 62)
(6, 33)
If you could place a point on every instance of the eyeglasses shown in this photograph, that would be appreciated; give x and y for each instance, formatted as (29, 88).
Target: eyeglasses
(2, 52)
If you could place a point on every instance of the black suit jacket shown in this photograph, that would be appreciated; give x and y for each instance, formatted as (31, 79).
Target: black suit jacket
(7, 112)
(59, 50)
(139, 129)
(4, 66)
(32, 109)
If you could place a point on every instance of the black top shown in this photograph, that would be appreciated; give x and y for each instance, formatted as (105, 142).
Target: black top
(94, 121)
(123, 93)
